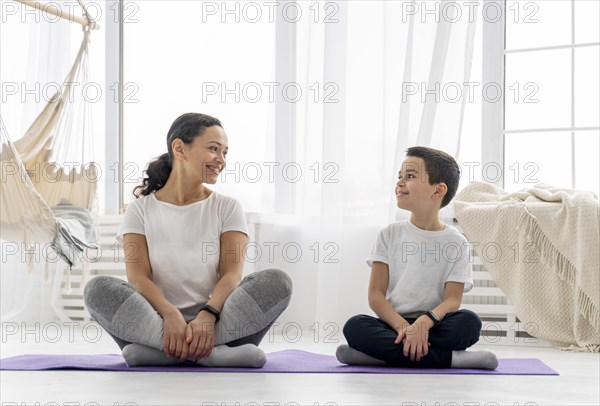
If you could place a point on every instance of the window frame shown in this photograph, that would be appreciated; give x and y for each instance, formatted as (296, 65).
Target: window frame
(493, 112)
(114, 110)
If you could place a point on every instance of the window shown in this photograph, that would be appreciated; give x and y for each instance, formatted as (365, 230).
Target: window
(552, 124)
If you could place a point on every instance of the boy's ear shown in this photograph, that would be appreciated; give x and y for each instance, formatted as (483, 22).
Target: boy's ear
(440, 190)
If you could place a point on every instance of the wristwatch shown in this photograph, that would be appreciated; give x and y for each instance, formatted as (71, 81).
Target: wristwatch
(433, 317)
(212, 311)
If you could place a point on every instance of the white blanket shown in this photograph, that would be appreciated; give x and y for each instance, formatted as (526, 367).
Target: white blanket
(541, 247)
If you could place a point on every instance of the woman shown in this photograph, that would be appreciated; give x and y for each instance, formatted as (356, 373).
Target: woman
(184, 253)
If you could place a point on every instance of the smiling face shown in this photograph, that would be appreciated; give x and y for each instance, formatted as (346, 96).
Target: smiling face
(413, 191)
(205, 158)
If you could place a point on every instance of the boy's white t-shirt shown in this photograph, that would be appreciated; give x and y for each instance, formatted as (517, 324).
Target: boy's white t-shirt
(184, 243)
(420, 262)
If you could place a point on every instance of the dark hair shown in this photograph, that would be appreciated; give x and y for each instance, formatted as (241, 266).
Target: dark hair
(186, 127)
(440, 167)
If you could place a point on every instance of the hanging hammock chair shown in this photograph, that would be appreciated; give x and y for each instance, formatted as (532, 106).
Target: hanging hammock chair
(48, 177)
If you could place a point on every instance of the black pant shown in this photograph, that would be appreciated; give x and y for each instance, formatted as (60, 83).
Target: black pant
(372, 336)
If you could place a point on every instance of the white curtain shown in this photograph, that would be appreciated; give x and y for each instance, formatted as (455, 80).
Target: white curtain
(374, 66)
(32, 296)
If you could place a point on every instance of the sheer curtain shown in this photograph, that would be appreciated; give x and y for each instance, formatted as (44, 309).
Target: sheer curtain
(365, 69)
(389, 79)
(32, 76)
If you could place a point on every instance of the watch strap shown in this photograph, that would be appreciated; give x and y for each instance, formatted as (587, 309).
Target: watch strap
(433, 317)
(212, 311)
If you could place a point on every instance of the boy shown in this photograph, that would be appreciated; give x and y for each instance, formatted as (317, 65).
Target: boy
(419, 271)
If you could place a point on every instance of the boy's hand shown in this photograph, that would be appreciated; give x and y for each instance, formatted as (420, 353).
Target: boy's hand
(401, 335)
(404, 325)
(416, 344)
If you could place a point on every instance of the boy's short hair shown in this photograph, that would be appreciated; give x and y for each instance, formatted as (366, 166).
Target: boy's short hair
(440, 167)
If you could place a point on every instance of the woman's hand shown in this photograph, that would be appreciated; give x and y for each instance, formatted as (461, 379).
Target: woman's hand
(200, 335)
(174, 328)
(416, 344)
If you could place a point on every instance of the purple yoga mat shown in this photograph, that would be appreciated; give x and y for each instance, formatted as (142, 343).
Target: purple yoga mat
(288, 361)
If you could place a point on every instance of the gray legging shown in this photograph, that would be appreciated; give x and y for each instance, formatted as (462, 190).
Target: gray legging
(247, 314)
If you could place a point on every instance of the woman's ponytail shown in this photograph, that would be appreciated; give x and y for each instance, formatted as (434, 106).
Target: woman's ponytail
(156, 176)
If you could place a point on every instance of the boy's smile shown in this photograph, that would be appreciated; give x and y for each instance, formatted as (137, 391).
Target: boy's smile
(412, 180)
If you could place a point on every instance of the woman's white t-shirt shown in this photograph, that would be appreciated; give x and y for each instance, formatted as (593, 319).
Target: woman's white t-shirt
(420, 263)
(184, 243)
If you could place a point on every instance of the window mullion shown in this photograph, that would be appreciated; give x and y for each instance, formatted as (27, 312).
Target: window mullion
(494, 39)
